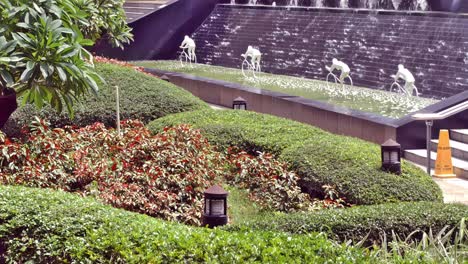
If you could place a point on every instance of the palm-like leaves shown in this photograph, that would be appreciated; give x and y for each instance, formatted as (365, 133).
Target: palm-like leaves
(56, 68)
(42, 42)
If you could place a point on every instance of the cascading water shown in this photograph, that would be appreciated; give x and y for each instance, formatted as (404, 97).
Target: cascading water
(318, 3)
(396, 3)
(344, 3)
(422, 5)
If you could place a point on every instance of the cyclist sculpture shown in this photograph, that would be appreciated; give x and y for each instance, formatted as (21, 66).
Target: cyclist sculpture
(190, 55)
(341, 66)
(254, 64)
(408, 77)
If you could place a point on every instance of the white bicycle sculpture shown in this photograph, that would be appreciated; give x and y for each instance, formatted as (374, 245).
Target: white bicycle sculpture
(247, 67)
(397, 88)
(337, 80)
(185, 58)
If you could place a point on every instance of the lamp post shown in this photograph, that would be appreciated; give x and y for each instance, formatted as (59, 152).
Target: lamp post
(391, 156)
(215, 209)
(239, 103)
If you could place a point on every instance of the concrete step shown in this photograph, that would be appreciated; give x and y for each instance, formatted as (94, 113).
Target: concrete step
(460, 135)
(460, 167)
(137, 10)
(459, 149)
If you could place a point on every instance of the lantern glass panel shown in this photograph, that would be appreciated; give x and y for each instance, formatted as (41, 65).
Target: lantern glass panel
(386, 157)
(242, 107)
(394, 156)
(217, 207)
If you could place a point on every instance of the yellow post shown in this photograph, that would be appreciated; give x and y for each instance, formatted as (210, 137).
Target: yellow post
(443, 165)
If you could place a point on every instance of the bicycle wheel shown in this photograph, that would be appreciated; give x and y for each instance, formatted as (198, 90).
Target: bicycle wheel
(245, 67)
(415, 90)
(181, 58)
(328, 78)
(396, 87)
(350, 80)
(258, 68)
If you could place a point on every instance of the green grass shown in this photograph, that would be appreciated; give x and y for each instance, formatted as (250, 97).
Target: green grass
(359, 98)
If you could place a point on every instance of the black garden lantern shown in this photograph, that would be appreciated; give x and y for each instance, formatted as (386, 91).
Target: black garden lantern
(239, 103)
(391, 156)
(215, 209)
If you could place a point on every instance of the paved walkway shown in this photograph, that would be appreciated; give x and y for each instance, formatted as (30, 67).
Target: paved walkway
(455, 190)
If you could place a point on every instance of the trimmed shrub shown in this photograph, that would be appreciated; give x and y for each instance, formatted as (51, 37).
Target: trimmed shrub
(353, 167)
(320, 158)
(248, 130)
(370, 221)
(45, 226)
(142, 97)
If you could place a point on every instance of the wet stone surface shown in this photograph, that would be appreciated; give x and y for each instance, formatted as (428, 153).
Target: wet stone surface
(302, 41)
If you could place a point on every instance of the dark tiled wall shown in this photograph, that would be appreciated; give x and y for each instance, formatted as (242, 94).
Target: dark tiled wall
(301, 41)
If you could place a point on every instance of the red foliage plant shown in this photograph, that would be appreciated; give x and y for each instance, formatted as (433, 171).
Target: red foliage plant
(162, 175)
(273, 186)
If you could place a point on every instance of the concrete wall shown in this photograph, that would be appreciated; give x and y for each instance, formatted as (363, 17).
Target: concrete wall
(337, 120)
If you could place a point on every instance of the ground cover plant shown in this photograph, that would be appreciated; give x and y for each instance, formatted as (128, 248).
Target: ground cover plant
(320, 158)
(162, 175)
(47, 226)
(155, 98)
(359, 98)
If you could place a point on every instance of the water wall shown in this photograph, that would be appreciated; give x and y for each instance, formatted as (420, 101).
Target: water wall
(425, 5)
(372, 4)
(302, 41)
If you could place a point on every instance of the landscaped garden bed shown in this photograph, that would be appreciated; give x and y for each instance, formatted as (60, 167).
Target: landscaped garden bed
(320, 158)
(164, 173)
(135, 193)
(381, 102)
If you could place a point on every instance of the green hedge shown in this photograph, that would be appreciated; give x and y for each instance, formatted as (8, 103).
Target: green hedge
(141, 97)
(370, 220)
(320, 158)
(46, 226)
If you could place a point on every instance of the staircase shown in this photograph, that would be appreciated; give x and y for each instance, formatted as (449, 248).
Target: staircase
(459, 146)
(135, 9)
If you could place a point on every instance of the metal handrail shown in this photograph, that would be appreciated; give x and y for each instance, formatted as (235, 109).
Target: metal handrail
(429, 119)
(443, 114)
